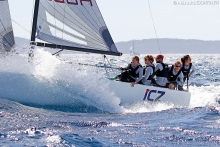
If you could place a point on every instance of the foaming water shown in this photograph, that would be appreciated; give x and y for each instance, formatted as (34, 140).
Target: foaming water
(75, 83)
(204, 96)
(148, 107)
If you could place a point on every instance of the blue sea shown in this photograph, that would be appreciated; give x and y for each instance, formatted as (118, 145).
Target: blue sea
(98, 119)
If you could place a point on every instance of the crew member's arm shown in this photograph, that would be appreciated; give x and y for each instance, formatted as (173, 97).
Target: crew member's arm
(140, 71)
(181, 76)
(126, 68)
(148, 72)
(140, 77)
(158, 68)
(168, 78)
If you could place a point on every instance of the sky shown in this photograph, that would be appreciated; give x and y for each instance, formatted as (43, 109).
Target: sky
(129, 19)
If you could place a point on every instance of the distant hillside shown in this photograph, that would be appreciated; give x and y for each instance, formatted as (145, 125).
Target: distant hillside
(22, 41)
(176, 46)
(149, 46)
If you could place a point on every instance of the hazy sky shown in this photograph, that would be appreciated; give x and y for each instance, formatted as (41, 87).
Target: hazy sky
(129, 19)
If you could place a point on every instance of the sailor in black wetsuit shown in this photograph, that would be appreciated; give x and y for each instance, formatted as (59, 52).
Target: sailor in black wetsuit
(161, 72)
(148, 70)
(175, 76)
(133, 72)
(187, 67)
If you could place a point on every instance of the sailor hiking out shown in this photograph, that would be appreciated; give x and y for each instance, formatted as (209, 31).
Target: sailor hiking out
(161, 72)
(187, 67)
(132, 73)
(175, 76)
(148, 70)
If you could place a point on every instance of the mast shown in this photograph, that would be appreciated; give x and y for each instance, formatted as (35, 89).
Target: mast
(34, 24)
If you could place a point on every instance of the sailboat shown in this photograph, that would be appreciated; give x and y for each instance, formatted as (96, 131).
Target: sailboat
(79, 26)
(132, 51)
(7, 40)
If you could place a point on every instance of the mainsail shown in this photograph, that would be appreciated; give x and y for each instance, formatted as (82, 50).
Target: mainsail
(72, 25)
(6, 32)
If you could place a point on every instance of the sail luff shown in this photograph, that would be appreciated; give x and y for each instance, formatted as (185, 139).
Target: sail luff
(12, 34)
(7, 40)
(11, 42)
(102, 18)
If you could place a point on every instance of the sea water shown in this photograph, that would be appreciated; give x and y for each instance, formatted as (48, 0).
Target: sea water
(98, 119)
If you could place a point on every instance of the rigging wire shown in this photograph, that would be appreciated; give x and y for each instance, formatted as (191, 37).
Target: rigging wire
(105, 64)
(154, 26)
(21, 26)
(112, 69)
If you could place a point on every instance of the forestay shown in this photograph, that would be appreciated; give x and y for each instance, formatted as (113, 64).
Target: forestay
(72, 25)
(6, 32)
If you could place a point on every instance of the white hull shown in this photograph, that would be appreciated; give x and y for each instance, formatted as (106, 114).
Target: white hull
(131, 95)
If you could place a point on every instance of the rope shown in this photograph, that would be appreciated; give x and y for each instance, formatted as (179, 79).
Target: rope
(154, 26)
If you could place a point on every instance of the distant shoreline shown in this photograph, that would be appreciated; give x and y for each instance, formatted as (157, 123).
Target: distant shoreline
(167, 46)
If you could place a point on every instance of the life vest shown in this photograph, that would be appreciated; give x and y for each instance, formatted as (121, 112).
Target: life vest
(144, 70)
(132, 71)
(186, 71)
(164, 72)
(171, 77)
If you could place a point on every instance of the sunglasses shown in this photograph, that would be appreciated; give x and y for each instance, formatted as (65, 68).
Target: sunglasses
(177, 66)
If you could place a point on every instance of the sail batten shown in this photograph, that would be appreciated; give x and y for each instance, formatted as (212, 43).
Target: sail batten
(72, 25)
(7, 40)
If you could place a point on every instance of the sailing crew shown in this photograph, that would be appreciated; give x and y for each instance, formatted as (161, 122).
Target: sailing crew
(148, 71)
(133, 72)
(187, 67)
(161, 72)
(175, 76)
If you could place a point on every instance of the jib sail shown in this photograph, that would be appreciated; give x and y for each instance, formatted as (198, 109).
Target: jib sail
(6, 32)
(72, 25)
